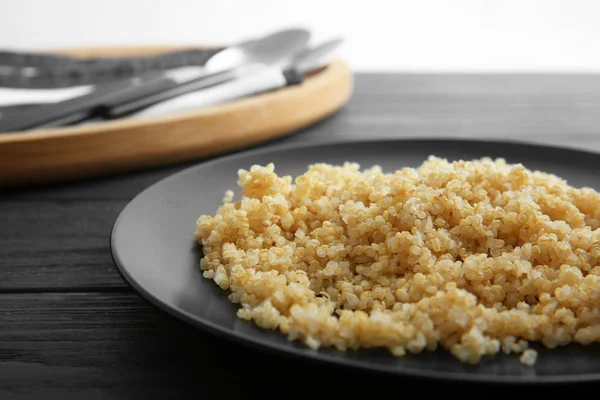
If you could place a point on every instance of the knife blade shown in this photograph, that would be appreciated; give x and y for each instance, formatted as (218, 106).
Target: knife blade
(265, 79)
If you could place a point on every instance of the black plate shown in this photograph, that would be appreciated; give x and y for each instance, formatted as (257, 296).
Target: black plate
(153, 246)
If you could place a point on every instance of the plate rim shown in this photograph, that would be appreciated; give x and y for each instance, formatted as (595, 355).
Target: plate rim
(314, 356)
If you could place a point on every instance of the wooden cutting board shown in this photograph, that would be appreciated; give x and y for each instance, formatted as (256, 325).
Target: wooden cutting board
(78, 152)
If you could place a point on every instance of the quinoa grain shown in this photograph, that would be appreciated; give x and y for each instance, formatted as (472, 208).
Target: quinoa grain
(477, 257)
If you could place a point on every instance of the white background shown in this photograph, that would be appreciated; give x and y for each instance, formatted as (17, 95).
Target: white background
(417, 35)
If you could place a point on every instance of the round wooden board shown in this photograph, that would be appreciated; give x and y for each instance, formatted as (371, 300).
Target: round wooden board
(47, 156)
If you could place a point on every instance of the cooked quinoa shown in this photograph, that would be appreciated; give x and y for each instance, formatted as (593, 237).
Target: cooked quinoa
(477, 257)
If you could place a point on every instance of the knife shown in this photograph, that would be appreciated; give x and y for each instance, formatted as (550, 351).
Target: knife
(109, 96)
(123, 97)
(265, 79)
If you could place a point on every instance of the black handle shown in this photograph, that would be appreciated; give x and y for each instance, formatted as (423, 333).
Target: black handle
(87, 106)
(111, 101)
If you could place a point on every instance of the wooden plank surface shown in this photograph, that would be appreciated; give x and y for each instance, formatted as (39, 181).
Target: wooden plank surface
(57, 245)
(114, 345)
(70, 326)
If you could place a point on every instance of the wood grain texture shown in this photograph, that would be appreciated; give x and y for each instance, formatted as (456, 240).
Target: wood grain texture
(57, 246)
(115, 345)
(553, 109)
(101, 340)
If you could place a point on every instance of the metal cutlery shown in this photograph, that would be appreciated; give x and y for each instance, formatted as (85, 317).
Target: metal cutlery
(121, 98)
(265, 79)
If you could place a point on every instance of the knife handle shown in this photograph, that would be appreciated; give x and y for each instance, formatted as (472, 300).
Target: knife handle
(112, 100)
(263, 80)
(82, 107)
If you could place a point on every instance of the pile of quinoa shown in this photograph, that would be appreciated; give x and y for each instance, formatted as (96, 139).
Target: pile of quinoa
(477, 257)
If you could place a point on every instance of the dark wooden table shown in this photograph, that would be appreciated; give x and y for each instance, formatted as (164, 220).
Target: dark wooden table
(70, 327)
